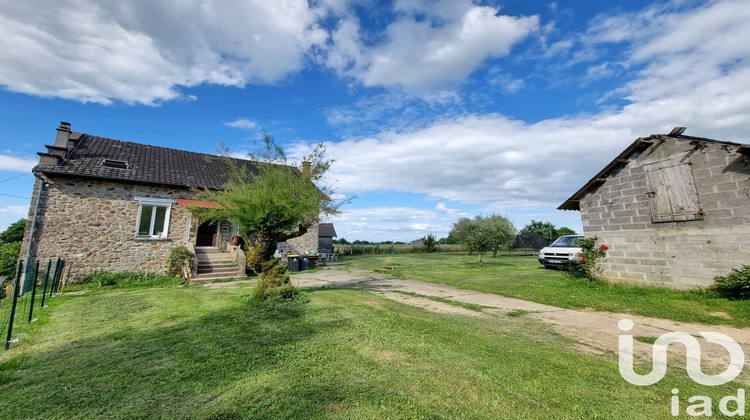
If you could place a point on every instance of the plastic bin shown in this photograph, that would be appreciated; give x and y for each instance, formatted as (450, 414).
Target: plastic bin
(303, 262)
(293, 263)
(312, 261)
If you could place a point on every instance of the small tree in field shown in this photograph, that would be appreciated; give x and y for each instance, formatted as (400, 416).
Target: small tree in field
(484, 234)
(430, 243)
(461, 231)
(502, 232)
(270, 203)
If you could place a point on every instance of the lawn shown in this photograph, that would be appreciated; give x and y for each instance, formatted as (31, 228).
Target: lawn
(525, 278)
(208, 354)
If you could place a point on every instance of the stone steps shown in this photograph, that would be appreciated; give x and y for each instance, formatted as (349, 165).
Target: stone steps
(215, 265)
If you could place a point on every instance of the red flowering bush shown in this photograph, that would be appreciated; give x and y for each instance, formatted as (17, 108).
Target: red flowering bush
(585, 266)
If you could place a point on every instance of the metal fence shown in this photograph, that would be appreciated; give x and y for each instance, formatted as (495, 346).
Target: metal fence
(22, 300)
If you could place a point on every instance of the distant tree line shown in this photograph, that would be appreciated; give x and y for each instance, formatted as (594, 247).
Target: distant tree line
(10, 249)
(547, 230)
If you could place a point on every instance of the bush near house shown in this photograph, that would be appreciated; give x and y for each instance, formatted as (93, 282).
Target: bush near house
(735, 286)
(586, 266)
(180, 262)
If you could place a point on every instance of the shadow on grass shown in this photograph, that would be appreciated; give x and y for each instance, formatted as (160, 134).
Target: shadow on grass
(188, 369)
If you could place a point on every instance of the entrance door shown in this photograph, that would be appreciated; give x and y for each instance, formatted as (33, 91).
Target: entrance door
(206, 234)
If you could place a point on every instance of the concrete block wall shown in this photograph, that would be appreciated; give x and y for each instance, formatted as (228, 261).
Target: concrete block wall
(677, 254)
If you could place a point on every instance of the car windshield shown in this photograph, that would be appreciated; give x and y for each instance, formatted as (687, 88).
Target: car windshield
(566, 241)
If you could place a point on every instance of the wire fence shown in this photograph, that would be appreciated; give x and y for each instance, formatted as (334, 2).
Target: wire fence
(367, 249)
(24, 298)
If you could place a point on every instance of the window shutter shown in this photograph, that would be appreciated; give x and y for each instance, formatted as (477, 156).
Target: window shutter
(672, 193)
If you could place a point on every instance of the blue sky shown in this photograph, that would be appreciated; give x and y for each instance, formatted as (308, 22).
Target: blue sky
(433, 110)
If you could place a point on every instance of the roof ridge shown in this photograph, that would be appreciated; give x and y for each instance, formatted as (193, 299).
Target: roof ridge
(92, 136)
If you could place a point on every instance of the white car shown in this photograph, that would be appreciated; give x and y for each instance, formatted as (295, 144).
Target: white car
(560, 253)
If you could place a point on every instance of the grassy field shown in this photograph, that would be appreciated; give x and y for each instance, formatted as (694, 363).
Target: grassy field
(209, 354)
(525, 278)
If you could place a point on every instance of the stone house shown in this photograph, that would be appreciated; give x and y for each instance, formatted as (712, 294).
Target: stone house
(106, 204)
(673, 209)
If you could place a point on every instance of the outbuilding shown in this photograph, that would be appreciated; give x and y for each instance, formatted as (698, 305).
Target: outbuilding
(674, 210)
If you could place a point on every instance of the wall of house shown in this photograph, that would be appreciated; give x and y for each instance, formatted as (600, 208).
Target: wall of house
(91, 224)
(302, 244)
(680, 254)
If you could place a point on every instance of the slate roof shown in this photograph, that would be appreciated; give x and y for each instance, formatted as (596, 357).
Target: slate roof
(573, 203)
(146, 163)
(326, 229)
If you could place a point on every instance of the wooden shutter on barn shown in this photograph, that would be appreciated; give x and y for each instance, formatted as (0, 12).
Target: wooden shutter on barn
(672, 193)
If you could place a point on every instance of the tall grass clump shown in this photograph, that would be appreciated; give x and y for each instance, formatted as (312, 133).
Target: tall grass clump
(124, 279)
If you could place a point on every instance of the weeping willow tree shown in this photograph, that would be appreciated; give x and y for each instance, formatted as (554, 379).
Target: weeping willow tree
(269, 201)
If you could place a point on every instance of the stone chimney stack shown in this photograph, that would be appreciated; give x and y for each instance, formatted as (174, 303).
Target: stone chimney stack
(63, 135)
(63, 143)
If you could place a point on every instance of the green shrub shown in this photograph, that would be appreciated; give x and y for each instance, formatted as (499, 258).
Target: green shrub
(180, 262)
(273, 282)
(124, 279)
(586, 266)
(9, 259)
(735, 286)
(430, 243)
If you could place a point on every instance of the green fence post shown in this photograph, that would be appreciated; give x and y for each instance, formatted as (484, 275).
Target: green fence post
(46, 279)
(59, 278)
(54, 279)
(16, 289)
(33, 293)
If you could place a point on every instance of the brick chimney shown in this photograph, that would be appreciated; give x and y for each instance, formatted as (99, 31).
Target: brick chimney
(63, 143)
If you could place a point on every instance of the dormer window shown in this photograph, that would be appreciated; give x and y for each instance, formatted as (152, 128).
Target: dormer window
(114, 164)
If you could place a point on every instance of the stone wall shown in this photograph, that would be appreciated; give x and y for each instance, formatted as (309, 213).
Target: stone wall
(91, 224)
(682, 254)
(304, 243)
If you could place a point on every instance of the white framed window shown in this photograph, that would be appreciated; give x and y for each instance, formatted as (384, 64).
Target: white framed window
(153, 217)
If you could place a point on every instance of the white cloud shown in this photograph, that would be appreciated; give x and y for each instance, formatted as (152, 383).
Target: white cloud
(11, 214)
(453, 40)
(242, 123)
(142, 51)
(20, 211)
(12, 163)
(599, 71)
(679, 78)
(390, 224)
(453, 213)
